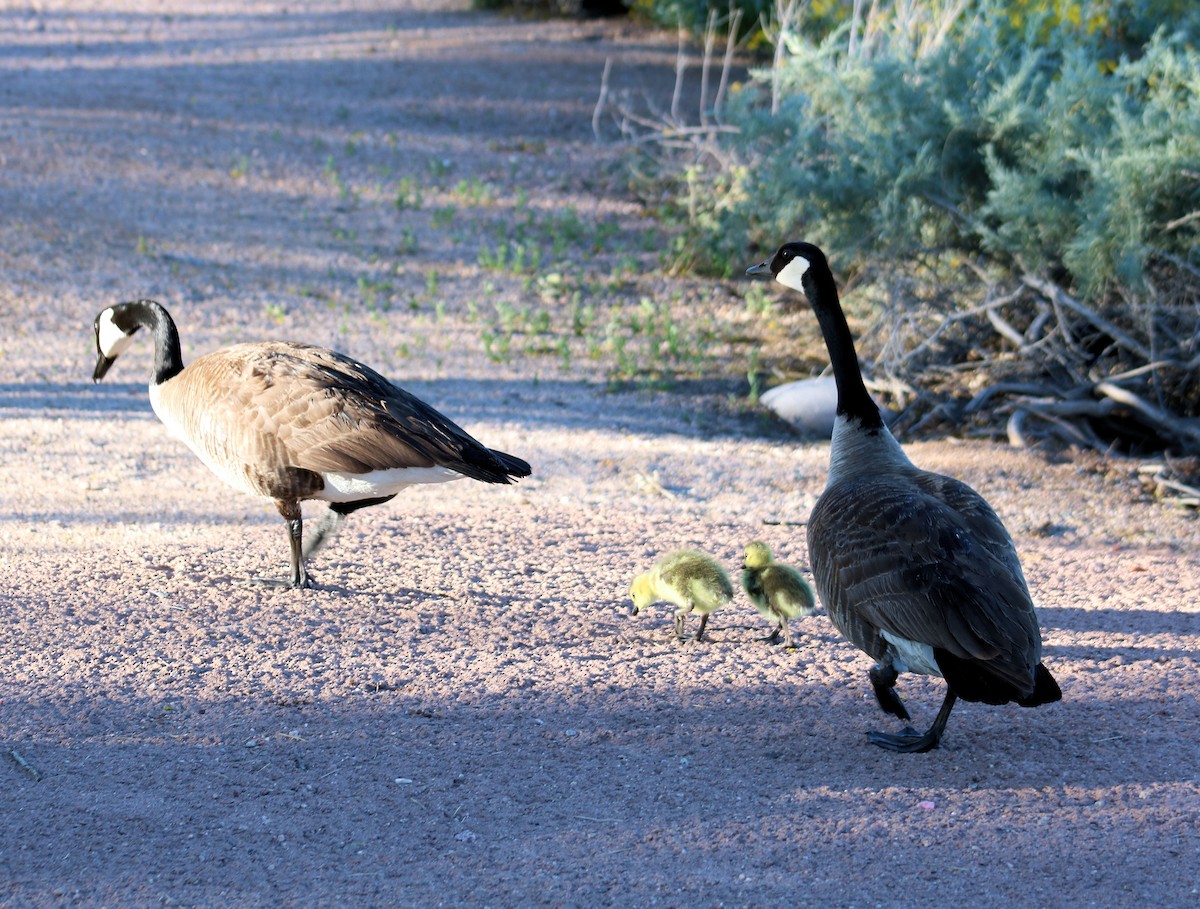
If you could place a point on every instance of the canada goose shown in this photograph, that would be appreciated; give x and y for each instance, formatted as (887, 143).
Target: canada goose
(290, 422)
(777, 591)
(691, 580)
(914, 567)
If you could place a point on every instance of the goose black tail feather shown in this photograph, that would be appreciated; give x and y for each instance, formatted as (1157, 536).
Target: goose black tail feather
(1045, 689)
(971, 680)
(514, 466)
(489, 466)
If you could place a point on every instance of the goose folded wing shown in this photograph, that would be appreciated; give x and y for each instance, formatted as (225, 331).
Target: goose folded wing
(921, 570)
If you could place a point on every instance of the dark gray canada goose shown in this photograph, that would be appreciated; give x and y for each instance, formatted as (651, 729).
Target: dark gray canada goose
(779, 592)
(691, 580)
(913, 567)
(291, 422)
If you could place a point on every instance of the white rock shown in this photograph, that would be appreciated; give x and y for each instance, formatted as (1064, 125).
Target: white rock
(808, 404)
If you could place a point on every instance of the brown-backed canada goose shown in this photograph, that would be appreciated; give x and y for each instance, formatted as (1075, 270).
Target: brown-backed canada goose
(777, 591)
(291, 422)
(692, 581)
(913, 567)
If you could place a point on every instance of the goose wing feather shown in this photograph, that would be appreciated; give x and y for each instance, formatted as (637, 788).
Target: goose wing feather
(322, 411)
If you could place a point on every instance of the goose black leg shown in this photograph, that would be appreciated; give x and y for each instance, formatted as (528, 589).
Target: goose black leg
(703, 623)
(912, 742)
(774, 635)
(883, 679)
(332, 522)
(298, 576)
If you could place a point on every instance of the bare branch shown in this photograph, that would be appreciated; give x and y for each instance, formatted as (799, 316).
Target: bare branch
(1183, 430)
(680, 68)
(731, 47)
(1056, 295)
(602, 101)
(1179, 222)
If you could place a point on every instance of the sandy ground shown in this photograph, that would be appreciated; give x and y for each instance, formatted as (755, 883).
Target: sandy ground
(463, 713)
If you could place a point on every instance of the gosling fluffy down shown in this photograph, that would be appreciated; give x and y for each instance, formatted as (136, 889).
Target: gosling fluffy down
(777, 591)
(692, 581)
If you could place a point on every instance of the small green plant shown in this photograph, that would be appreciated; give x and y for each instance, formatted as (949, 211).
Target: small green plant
(582, 316)
(407, 244)
(334, 176)
(371, 290)
(408, 194)
(474, 192)
(439, 167)
(496, 346)
(759, 301)
(754, 375)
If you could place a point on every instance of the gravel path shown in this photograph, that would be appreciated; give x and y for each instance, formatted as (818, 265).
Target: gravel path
(463, 713)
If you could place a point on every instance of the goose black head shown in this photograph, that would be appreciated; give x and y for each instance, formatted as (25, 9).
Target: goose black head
(791, 263)
(115, 327)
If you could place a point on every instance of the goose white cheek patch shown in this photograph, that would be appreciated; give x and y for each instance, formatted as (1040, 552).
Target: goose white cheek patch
(110, 339)
(793, 273)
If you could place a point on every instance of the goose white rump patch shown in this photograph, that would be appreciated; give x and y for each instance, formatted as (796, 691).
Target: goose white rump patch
(349, 487)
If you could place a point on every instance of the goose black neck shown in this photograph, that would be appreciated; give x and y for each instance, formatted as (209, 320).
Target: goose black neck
(853, 399)
(168, 359)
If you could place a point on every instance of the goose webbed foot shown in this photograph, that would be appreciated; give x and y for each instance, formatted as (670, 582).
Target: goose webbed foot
(304, 582)
(912, 742)
(773, 637)
(907, 742)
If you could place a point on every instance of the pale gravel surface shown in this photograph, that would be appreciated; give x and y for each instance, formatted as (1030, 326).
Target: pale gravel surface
(463, 714)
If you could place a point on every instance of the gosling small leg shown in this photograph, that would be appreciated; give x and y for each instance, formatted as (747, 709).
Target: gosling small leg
(703, 624)
(680, 619)
(787, 633)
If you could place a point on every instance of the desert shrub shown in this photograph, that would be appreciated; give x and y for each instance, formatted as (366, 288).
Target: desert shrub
(971, 143)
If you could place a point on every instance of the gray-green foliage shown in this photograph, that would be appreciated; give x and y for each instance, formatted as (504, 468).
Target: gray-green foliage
(1097, 167)
(1029, 158)
(1036, 154)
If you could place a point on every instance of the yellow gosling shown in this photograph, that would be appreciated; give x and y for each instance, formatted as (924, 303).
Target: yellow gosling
(692, 581)
(777, 591)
